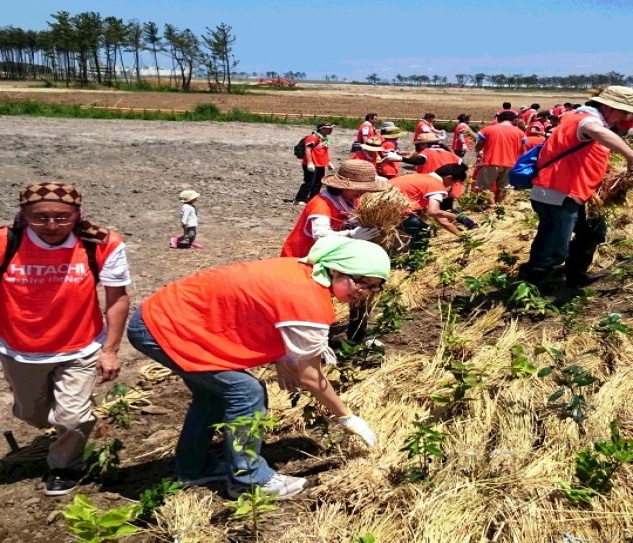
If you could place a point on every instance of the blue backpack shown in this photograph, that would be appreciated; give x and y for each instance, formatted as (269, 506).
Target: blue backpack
(524, 171)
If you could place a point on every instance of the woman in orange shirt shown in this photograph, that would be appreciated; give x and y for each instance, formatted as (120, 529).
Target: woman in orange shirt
(211, 327)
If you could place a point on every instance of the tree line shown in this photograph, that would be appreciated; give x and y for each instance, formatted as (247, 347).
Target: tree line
(516, 81)
(86, 47)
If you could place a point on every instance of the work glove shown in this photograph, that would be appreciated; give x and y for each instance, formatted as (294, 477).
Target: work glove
(357, 426)
(361, 232)
(310, 166)
(441, 135)
(392, 156)
(330, 167)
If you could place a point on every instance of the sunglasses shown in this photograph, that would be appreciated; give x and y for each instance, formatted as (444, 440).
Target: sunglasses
(360, 283)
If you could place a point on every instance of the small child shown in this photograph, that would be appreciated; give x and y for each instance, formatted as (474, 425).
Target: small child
(188, 221)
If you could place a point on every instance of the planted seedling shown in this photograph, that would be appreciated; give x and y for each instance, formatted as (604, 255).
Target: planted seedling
(422, 446)
(92, 525)
(595, 468)
(507, 259)
(571, 310)
(245, 433)
(466, 377)
(154, 497)
(526, 297)
(571, 380)
(470, 244)
(102, 463)
(520, 365)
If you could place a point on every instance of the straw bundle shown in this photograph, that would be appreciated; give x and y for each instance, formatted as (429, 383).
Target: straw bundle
(185, 518)
(382, 210)
(613, 189)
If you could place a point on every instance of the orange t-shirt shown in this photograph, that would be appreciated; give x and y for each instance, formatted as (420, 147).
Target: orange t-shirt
(361, 155)
(367, 130)
(533, 141)
(320, 151)
(48, 297)
(300, 240)
(423, 127)
(417, 187)
(503, 144)
(227, 318)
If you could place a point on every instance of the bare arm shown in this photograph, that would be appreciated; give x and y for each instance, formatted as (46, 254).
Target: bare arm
(444, 218)
(307, 375)
(479, 145)
(610, 140)
(117, 305)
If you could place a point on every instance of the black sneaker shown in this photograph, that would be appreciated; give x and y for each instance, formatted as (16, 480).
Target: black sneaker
(62, 481)
(581, 280)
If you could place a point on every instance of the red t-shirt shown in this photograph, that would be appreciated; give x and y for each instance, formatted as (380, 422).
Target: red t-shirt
(417, 187)
(320, 151)
(503, 144)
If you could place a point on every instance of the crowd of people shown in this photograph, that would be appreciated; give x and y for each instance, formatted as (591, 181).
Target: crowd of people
(211, 327)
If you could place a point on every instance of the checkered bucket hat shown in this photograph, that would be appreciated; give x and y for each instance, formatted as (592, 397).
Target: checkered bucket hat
(50, 192)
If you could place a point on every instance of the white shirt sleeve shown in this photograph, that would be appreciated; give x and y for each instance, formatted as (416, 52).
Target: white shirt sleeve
(584, 122)
(304, 341)
(319, 226)
(116, 271)
(437, 196)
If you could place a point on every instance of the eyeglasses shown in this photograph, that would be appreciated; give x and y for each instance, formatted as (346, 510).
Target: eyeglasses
(358, 281)
(43, 221)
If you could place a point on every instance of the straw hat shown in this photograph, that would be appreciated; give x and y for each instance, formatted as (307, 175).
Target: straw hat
(372, 144)
(355, 175)
(391, 132)
(188, 195)
(426, 137)
(616, 97)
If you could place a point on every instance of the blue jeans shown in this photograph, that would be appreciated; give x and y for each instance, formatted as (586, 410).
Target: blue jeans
(553, 243)
(217, 396)
(419, 231)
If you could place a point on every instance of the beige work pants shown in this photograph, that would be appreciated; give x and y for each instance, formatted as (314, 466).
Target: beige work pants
(56, 395)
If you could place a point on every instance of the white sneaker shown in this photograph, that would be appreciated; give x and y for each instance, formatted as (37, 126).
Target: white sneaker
(283, 486)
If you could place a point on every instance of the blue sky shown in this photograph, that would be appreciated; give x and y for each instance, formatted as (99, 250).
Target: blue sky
(353, 39)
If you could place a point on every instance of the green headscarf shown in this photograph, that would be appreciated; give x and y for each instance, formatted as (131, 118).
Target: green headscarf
(348, 256)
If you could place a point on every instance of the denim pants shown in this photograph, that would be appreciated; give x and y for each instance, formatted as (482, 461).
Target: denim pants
(217, 396)
(419, 231)
(553, 243)
(311, 185)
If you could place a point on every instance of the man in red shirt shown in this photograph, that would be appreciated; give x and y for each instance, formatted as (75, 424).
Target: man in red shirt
(499, 146)
(314, 162)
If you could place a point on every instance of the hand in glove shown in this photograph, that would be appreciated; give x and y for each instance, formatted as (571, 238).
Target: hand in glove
(392, 156)
(361, 232)
(310, 166)
(355, 425)
(330, 167)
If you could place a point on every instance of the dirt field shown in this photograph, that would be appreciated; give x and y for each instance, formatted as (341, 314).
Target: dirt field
(312, 99)
(131, 173)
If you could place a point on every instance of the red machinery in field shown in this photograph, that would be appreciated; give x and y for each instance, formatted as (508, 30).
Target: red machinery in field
(276, 82)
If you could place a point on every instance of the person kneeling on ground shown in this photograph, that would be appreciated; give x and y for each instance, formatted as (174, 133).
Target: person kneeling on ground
(209, 328)
(54, 346)
(425, 194)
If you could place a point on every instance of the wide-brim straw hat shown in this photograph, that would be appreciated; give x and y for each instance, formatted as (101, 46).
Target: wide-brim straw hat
(391, 133)
(355, 175)
(372, 144)
(427, 137)
(616, 97)
(188, 195)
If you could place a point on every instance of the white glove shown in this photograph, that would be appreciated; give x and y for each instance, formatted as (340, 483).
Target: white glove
(441, 135)
(330, 167)
(361, 232)
(310, 166)
(357, 426)
(392, 156)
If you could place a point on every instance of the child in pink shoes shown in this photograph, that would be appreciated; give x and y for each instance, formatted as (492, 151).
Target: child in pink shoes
(188, 221)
